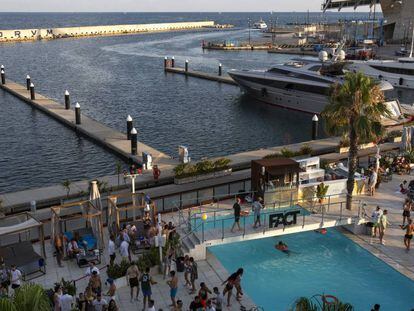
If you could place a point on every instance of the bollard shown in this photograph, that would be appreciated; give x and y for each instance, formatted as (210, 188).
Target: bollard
(28, 82)
(165, 62)
(67, 100)
(134, 141)
(1, 67)
(186, 65)
(172, 62)
(32, 92)
(77, 114)
(315, 127)
(220, 70)
(3, 76)
(129, 127)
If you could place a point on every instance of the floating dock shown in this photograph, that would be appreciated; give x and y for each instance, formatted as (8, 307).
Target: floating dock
(201, 75)
(88, 31)
(105, 136)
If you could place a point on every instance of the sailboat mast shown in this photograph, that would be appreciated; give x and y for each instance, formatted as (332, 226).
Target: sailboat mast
(412, 44)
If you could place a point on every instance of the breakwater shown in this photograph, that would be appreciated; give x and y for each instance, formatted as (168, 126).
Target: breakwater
(87, 31)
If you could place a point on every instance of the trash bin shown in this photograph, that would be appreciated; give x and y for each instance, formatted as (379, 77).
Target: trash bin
(180, 264)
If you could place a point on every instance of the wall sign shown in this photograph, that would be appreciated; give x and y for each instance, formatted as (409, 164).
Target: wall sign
(286, 219)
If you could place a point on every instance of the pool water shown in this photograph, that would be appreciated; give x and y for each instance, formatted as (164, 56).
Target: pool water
(328, 264)
(227, 221)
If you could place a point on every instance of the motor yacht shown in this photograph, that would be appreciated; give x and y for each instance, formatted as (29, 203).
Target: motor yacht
(260, 25)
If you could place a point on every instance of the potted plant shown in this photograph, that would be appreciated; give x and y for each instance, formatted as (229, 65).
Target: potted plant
(206, 169)
(321, 191)
(67, 184)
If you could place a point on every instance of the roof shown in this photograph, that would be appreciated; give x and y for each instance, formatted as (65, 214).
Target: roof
(339, 4)
(278, 165)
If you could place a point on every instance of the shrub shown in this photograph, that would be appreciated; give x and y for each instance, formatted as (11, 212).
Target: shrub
(305, 149)
(202, 167)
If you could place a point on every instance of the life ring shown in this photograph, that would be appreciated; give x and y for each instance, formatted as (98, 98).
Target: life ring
(333, 300)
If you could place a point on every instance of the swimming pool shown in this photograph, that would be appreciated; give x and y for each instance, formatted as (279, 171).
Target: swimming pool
(227, 221)
(328, 264)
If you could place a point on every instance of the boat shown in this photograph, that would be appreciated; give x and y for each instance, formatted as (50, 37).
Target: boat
(260, 25)
(301, 85)
(400, 72)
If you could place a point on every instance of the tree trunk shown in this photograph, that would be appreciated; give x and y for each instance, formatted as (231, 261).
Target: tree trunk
(352, 165)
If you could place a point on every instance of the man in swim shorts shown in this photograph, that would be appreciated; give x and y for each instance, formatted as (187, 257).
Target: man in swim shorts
(408, 233)
(173, 283)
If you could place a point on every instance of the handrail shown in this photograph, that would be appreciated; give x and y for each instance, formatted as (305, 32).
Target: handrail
(86, 276)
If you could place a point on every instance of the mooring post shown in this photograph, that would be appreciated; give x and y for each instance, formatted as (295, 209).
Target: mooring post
(165, 62)
(129, 127)
(186, 65)
(67, 100)
(220, 70)
(28, 82)
(3, 77)
(77, 114)
(32, 92)
(134, 141)
(315, 127)
(172, 62)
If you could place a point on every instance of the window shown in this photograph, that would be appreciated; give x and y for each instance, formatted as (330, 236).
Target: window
(401, 71)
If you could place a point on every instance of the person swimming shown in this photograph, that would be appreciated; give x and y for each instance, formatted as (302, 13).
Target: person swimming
(283, 247)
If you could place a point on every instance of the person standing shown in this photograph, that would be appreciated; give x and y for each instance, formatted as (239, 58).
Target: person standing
(65, 301)
(257, 207)
(4, 280)
(146, 282)
(111, 293)
(383, 223)
(193, 275)
(237, 210)
(156, 172)
(15, 277)
(375, 220)
(132, 276)
(92, 267)
(209, 306)
(151, 305)
(58, 241)
(173, 283)
(111, 250)
(99, 303)
(406, 211)
(408, 233)
(124, 249)
(218, 299)
(372, 182)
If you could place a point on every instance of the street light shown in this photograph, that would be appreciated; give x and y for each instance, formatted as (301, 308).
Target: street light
(249, 30)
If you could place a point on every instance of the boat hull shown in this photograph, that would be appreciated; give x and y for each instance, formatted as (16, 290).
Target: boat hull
(282, 97)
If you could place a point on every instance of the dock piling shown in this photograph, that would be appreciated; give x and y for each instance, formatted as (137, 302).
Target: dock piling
(67, 100)
(3, 77)
(186, 65)
(28, 82)
(32, 92)
(172, 62)
(134, 141)
(165, 62)
(220, 70)
(129, 127)
(315, 121)
(77, 114)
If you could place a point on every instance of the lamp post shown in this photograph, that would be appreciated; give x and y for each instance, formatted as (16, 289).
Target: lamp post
(249, 30)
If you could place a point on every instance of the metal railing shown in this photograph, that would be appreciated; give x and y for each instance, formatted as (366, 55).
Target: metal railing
(330, 209)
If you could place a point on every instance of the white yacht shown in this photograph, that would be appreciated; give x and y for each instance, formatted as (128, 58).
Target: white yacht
(400, 73)
(301, 85)
(260, 25)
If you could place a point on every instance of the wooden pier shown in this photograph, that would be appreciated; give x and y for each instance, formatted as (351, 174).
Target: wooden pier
(201, 75)
(105, 136)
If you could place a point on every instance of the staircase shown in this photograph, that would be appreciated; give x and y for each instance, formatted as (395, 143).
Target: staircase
(191, 245)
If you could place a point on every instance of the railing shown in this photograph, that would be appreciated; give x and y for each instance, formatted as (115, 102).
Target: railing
(333, 209)
(180, 205)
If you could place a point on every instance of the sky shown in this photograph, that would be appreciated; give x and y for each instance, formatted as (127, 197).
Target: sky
(160, 5)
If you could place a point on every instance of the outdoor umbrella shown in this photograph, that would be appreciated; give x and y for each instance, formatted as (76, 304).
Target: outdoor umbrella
(95, 199)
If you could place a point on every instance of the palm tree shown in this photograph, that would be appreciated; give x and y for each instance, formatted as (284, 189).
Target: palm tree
(66, 184)
(355, 109)
(29, 297)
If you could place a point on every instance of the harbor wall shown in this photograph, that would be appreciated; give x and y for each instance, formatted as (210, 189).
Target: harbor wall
(55, 33)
